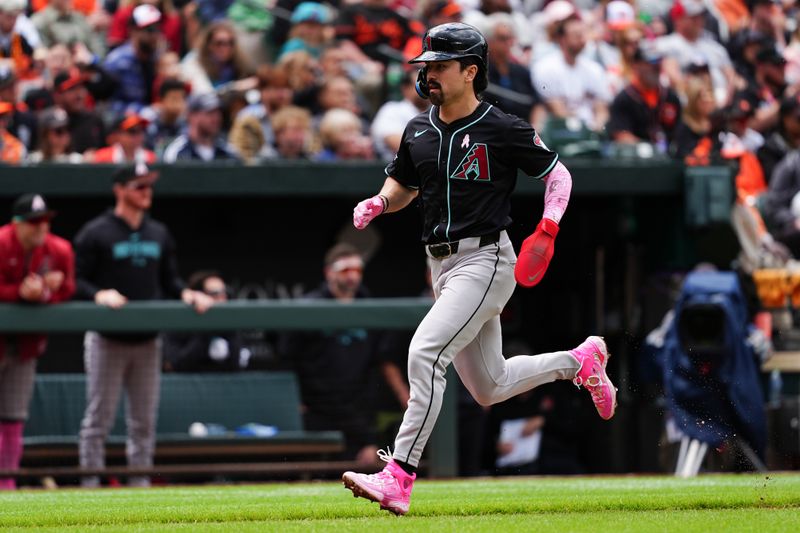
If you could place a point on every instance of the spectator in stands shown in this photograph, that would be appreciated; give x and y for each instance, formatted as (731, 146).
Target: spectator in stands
(126, 142)
(766, 92)
(123, 255)
(273, 84)
(693, 140)
(747, 45)
(61, 23)
(303, 72)
(336, 93)
(202, 141)
(13, 45)
(247, 138)
(22, 123)
(546, 27)
(335, 368)
(37, 268)
(572, 85)
(784, 139)
(645, 111)
(342, 137)
(378, 30)
(133, 64)
(205, 351)
(622, 39)
(371, 82)
(310, 29)
(782, 208)
(12, 151)
(389, 123)
(433, 13)
(167, 117)
(689, 43)
(216, 61)
(739, 115)
(293, 133)
(171, 27)
(510, 86)
(85, 127)
(54, 139)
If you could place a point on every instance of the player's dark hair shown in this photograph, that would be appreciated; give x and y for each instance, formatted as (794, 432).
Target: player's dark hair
(481, 80)
(171, 84)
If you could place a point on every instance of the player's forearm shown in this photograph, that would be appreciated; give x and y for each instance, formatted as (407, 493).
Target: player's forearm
(558, 187)
(397, 195)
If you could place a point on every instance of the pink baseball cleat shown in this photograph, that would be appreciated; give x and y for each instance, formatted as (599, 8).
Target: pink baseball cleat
(593, 356)
(391, 487)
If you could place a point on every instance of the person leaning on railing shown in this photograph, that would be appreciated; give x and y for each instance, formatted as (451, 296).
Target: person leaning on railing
(36, 267)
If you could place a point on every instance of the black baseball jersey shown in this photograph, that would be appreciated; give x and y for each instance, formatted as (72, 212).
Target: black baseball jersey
(467, 170)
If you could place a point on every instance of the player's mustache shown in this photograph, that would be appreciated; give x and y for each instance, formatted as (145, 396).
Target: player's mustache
(434, 85)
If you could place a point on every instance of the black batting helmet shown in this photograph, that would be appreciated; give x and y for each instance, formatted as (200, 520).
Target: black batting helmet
(454, 40)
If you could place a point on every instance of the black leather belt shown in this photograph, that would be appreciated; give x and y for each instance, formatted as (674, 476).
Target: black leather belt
(443, 250)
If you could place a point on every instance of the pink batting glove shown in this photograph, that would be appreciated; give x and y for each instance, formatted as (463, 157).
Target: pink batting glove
(366, 210)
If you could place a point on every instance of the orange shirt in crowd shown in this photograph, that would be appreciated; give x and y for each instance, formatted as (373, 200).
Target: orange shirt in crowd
(11, 149)
(87, 7)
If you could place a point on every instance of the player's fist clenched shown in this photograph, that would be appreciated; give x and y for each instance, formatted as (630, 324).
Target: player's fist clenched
(535, 254)
(368, 209)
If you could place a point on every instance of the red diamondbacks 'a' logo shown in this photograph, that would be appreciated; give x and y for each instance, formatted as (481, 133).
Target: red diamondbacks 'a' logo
(475, 165)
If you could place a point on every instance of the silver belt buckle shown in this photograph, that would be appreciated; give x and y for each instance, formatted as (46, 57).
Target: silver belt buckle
(445, 247)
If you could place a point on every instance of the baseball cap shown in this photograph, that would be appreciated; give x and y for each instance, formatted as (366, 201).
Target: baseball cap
(310, 12)
(769, 54)
(129, 121)
(686, 8)
(145, 15)
(740, 108)
(619, 15)
(139, 170)
(30, 206)
(443, 8)
(790, 105)
(64, 81)
(6, 107)
(647, 54)
(203, 102)
(558, 11)
(12, 6)
(7, 76)
(53, 118)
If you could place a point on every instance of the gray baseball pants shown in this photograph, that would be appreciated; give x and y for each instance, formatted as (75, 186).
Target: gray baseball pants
(463, 327)
(111, 366)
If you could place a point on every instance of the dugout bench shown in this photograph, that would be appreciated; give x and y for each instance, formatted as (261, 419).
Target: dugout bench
(230, 399)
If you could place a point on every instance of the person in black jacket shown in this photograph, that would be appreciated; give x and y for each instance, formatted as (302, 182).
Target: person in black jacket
(336, 368)
(121, 256)
(785, 139)
(206, 351)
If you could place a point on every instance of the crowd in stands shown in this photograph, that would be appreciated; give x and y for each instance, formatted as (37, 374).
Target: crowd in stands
(242, 81)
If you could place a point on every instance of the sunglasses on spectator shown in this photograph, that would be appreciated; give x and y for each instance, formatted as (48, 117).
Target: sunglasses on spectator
(153, 28)
(60, 131)
(37, 220)
(222, 42)
(134, 131)
(216, 292)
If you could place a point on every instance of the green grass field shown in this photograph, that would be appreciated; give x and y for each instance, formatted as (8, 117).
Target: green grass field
(713, 503)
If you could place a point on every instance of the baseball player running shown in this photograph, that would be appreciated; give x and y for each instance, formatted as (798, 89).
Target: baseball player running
(460, 160)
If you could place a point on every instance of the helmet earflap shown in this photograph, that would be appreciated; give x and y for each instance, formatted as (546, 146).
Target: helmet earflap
(422, 83)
